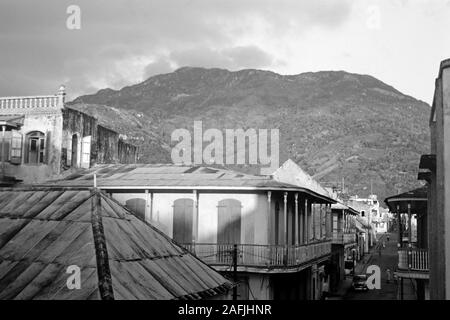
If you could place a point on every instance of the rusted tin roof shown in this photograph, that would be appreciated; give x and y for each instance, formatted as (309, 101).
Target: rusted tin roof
(167, 176)
(43, 231)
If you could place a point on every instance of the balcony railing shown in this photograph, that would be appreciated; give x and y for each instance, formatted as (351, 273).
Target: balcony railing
(413, 259)
(252, 255)
(343, 238)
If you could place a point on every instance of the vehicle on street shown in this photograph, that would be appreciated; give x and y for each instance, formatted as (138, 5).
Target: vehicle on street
(359, 282)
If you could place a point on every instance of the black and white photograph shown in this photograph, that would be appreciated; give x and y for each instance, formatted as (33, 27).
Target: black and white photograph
(225, 154)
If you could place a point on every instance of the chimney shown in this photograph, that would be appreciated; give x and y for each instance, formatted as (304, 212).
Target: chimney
(61, 96)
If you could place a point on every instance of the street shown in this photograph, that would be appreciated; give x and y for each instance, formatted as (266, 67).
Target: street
(386, 258)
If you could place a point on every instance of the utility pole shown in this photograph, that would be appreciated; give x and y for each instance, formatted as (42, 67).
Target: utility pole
(235, 271)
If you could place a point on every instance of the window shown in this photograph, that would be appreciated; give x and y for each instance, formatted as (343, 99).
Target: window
(16, 148)
(183, 212)
(35, 147)
(229, 221)
(5, 145)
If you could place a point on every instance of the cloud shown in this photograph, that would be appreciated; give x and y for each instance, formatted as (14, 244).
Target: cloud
(121, 41)
(159, 66)
(249, 57)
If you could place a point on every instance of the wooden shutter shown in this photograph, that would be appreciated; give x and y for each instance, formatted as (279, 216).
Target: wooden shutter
(86, 152)
(16, 148)
(229, 222)
(183, 220)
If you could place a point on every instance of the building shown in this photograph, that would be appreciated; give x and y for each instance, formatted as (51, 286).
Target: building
(413, 262)
(47, 232)
(344, 241)
(273, 237)
(42, 137)
(435, 170)
(369, 209)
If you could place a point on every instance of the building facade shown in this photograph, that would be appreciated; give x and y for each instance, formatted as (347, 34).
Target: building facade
(273, 238)
(435, 170)
(42, 137)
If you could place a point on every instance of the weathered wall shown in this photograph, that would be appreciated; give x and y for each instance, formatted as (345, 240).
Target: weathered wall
(127, 153)
(107, 146)
(51, 125)
(82, 125)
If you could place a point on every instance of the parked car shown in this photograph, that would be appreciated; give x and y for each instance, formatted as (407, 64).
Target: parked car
(359, 282)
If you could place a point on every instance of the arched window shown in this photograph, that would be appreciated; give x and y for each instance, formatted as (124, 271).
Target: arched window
(35, 147)
(229, 222)
(137, 206)
(182, 220)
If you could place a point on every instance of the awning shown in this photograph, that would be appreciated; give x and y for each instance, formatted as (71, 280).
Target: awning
(417, 199)
(11, 121)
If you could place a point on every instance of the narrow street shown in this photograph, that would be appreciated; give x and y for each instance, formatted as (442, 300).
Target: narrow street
(386, 260)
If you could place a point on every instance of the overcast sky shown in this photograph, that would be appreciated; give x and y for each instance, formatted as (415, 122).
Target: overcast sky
(122, 42)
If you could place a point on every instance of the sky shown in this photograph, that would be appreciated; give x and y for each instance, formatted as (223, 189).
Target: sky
(123, 42)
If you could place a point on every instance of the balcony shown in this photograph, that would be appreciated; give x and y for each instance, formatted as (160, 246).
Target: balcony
(343, 238)
(252, 256)
(413, 263)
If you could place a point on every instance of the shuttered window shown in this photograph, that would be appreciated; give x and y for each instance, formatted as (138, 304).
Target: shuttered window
(183, 211)
(86, 152)
(16, 148)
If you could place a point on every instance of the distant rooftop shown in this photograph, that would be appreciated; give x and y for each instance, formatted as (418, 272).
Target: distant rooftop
(171, 177)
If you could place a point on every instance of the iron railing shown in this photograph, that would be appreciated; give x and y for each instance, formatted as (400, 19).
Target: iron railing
(253, 255)
(413, 259)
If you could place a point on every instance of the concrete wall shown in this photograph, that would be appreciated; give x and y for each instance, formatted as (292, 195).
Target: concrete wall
(439, 192)
(254, 213)
(446, 173)
(50, 124)
(255, 220)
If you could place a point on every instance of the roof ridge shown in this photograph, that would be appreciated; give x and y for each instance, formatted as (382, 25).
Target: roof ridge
(101, 251)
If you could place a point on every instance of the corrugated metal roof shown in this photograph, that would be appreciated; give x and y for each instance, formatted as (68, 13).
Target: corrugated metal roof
(167, 176)
(45, 230)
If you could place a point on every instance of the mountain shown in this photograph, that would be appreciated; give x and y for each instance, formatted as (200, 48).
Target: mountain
(336, 125)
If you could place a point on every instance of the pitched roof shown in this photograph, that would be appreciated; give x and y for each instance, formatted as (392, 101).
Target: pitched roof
(341, 206)
(171, 176)
(291, 173)
(45, 230)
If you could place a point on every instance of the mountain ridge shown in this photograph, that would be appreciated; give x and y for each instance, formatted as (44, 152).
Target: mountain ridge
(334, 124)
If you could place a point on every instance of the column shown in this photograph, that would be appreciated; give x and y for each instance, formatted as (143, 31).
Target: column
(148, 206)
(286, 234)
(296, 235)
(270, 232)
(409, 223)
(302, 224)
(195, 220)
(306, 224)
(314, 223)
(400, 232)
